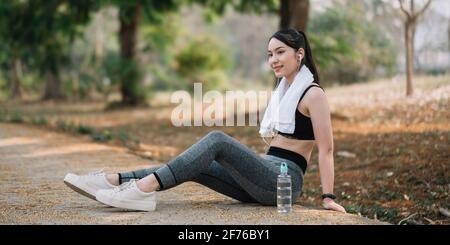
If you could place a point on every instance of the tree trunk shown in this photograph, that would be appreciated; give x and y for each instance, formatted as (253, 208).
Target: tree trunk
(449, 36)
(99, 38)
(16, 74)
(294, 14)
(299, 19)
(409, 28)
(285, 15)
(52, 85)
(129, 21)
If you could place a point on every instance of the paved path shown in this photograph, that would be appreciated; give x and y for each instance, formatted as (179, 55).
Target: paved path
(33, 162)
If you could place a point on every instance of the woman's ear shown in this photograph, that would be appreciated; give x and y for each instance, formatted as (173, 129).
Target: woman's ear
(301, 53)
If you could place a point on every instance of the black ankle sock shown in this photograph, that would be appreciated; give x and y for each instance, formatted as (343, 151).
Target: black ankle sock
(120, 179)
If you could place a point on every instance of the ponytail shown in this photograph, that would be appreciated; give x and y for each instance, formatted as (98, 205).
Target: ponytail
(309, 60)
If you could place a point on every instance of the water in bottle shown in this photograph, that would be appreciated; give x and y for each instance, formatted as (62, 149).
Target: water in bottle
(284, 190)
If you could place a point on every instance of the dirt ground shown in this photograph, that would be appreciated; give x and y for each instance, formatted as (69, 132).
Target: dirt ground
(33, 163)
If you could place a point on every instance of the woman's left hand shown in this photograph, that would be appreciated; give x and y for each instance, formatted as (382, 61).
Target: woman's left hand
(329, 203)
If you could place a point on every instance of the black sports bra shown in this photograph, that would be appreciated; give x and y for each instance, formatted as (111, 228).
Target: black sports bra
(303, 125)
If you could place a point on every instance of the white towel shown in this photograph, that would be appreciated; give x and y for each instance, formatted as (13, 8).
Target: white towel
(280, 113)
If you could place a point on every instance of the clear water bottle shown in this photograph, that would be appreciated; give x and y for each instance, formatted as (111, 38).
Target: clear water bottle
(284, 190)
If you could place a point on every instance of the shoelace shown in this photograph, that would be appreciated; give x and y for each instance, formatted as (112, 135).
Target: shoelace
(125, 186)
(95, 173)
(98, 172)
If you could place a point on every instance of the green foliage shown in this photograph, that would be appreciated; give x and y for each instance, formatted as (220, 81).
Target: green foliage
(391, 195)
(84, 129)
(204, 60)
(130, 75)
(63, 125)
(154, 10)
(353, 209)
(3, 116)
(117, 70)
(39, 121)
(348, 47)
(160, 41)
(122, 135)
(215, 8)
(160, 36)
(16, 118)
(381, 213)
(38, 32)
(102, 136)
(389, 214)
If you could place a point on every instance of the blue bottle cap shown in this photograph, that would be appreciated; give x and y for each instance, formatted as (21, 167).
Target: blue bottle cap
(283, 168)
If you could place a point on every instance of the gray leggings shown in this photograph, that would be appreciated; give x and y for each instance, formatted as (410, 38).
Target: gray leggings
(221, 163)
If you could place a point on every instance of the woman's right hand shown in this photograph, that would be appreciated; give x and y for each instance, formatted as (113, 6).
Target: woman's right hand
(329, 203)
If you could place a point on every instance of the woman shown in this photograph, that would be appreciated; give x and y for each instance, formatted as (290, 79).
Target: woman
(297, 116)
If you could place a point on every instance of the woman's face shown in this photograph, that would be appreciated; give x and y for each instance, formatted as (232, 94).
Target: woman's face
(283, 59)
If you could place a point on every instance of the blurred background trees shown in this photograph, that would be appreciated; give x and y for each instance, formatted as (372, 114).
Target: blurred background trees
(35, 36)
(412, 14)
(126, 51)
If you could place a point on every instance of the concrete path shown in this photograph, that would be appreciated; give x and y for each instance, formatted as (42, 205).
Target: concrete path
(34, 161)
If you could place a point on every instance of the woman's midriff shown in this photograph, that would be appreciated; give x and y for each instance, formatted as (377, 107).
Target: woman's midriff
(302, 147)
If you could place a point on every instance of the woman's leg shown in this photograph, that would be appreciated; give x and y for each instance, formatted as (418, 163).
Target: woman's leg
(215, 178)
(218, 179)
(251, 172)
(136, 174)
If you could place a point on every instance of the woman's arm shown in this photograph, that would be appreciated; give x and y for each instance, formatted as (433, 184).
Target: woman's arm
(319, 111)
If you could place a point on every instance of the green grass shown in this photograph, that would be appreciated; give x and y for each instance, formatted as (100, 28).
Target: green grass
(63, 125)
(122, 135)
(388, 214)
(84, 129)
(103, 136)
(39, 121)
(381, 213)
(16, 118)
(353, 209)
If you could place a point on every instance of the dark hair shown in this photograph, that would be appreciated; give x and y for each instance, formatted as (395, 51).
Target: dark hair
(296, 40)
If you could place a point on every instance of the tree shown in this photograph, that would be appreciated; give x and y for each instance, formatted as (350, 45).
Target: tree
(58, 23)
(37, 32)
(130, 17)
(349, 46)
(294, 14)
(154, 10)
(12, 43)
(410, 28)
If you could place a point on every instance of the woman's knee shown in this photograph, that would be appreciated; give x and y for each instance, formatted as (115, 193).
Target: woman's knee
(217, 135)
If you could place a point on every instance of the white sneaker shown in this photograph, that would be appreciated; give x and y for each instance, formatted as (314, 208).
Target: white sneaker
(128, 196)
(88, 185)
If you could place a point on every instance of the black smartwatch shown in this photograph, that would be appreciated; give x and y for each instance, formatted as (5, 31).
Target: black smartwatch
(328, 195)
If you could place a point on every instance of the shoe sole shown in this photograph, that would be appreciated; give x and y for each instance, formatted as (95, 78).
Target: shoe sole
(77, 189)
(126, 204)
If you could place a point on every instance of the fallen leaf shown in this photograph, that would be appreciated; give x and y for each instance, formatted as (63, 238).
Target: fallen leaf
(430, 221)
(346, 154)
(444, 212)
